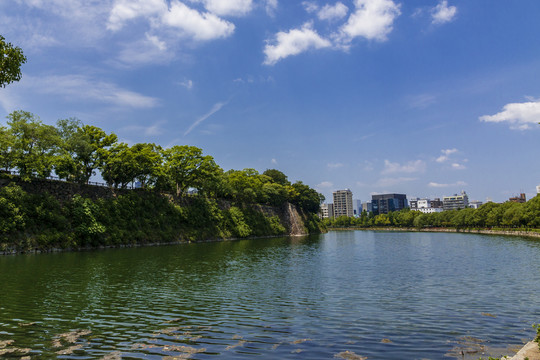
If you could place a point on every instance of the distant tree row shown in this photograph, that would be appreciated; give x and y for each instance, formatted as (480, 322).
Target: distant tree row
(75, 152)
(489, 215)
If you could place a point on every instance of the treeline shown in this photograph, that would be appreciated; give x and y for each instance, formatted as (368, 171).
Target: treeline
(75, 152)
(490, 215)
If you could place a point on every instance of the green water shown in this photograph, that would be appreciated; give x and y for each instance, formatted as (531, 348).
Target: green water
(310, 297)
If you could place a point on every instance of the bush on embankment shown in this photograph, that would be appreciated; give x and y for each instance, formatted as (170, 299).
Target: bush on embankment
(41, 221)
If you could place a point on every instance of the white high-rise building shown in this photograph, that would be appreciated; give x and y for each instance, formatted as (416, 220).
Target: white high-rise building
(538, 189)
(327, 211)
(343, 204)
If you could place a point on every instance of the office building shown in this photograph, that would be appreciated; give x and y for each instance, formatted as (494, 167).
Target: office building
(367, 207)
(456, 201)
(357, 208)
(326, 211)
(343, 204)
(384, 203)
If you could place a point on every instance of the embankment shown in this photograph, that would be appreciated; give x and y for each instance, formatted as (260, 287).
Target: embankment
(47, 215)
(450, 230)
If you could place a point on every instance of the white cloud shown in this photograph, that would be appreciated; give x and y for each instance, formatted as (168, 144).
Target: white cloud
(445, 156)
(325, 185)
(229, 7)
(293, 42)
(334, 165)
(457, 166)
(409, 167)
(519, 115)
(273, 161)
(150, 49)
(80, 87)
(442, 13)
(438, 185)
(200, 26)
(271, 6)
(387, 182)
(212, 111)
(372, 20)
(126, 10)
(310, 6)
(329, 12)
(190, 22)
(188, 84)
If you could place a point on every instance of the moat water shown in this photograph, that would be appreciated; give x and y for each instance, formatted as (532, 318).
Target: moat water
(380, 295)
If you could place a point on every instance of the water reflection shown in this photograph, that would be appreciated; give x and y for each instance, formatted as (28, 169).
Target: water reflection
(383, 295)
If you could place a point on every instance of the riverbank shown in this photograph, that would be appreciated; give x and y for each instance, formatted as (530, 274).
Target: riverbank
(38, 221)
(533, 234)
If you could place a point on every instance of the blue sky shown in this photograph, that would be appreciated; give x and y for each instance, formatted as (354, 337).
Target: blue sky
(421, 97)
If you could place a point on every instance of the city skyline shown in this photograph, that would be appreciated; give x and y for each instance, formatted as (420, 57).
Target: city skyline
(426, 98)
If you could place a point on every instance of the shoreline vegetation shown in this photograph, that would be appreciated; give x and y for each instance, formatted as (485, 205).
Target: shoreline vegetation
(152, 194)
(508, 218)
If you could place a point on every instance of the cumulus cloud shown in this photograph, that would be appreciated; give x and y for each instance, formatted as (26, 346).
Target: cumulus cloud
(200, 26)
(188, 84)
(229, 7)
(293, 42)
(519, 115)
(189, 22)
(442, 13)
(372, 20)
(458, 166)
(333, 12)
(445, 156)
(409, 167)
(126, 10)
(438, 185)
(310, 6)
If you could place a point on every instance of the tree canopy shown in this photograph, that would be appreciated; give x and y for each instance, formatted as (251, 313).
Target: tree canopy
(11, 60)
(75, 152)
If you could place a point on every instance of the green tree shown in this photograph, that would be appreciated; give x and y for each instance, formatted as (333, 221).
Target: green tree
(118, 166)
(35, 145)
(7, 156)
(148, 161)
(11, 60)
(277, 177)
(186, 167)
(305, 197)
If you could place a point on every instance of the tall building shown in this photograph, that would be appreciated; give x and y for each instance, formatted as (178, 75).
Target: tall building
(456, 201)
(475, 204)
(343, 204)
(538, 189)
(357, 208)
(367, 207)
(383, 204)
(326, 211)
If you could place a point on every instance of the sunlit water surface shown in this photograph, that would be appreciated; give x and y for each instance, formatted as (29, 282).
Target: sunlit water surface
(382, 295)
